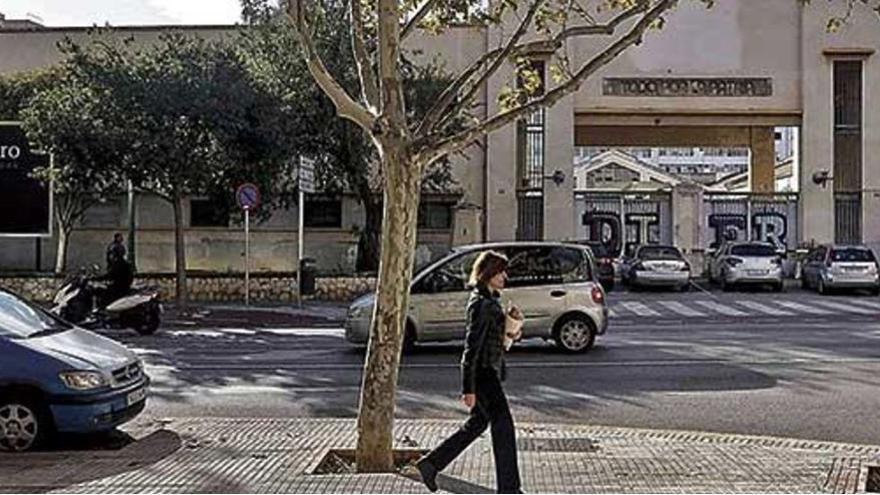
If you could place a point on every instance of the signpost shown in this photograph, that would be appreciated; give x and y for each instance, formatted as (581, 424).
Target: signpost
(248, 198)
(306, 184)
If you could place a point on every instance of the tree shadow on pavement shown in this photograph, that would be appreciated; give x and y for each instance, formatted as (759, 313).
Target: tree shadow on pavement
(41, 472)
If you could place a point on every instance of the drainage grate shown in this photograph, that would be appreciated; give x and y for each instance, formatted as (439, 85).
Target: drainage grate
(582, 444)
(873, 483)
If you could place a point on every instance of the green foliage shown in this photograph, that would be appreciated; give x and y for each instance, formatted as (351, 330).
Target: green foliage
(16, 90)
(189, 117)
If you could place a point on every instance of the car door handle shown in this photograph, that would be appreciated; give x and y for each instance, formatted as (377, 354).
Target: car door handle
(557, 293)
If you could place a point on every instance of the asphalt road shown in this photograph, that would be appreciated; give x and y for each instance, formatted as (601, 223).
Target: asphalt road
(794, 365)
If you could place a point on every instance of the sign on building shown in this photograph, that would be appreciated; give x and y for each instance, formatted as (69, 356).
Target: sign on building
(25, 202)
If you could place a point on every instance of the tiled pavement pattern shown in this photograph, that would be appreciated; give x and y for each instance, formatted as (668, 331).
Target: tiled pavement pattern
(198, 455)
(701, 306)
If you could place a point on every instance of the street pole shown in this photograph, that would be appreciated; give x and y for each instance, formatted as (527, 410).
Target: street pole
(131, 227)
(299, 250)
(247, 256)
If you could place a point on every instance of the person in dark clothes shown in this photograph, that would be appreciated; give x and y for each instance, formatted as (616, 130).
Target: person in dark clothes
(119, 271)
(115, 251)
(483, 370)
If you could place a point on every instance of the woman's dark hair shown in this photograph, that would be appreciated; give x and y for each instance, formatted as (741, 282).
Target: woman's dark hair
(487, 265)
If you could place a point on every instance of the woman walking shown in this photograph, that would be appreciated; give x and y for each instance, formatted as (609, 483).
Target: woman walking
(482, 370)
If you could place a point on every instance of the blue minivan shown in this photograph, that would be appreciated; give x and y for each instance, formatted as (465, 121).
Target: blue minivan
(56, 377)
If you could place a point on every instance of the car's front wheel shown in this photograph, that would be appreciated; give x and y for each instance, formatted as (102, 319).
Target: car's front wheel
(575, 333)
(24, 424)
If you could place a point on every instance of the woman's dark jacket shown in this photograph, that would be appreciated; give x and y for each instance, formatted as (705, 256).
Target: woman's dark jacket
(484, 338)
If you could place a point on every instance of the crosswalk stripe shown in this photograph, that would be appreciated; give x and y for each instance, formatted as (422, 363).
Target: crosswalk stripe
(639, 308)
(680, 308)
(845, 307)
(612, 313)
(803, 307)
(862, 302)
(764, 309)
(720, 308)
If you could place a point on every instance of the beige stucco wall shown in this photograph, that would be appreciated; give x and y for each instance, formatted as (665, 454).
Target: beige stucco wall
(746, 38)
(453, 51)
(820, 49)
(27, 50)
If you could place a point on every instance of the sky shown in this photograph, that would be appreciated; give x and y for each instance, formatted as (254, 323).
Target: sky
(56, 13)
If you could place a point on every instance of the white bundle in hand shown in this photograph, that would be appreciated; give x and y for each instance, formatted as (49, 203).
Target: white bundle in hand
(513, 322)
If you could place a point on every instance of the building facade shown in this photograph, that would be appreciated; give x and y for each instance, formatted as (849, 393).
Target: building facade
(723, 78)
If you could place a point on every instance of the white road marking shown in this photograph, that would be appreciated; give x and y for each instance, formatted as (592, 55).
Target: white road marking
(803, 308)
(639, 308)
(680, 308)
(720, 308)
(844, 307)
(764, 309)
(306, 332)
(863, 302)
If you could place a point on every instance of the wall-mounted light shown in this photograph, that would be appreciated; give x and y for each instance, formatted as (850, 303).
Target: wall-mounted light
(558, 177)
(822, 177)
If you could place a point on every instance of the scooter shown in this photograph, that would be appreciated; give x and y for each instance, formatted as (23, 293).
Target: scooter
(83, 301)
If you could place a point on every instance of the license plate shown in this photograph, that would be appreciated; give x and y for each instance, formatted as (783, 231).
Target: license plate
(757, 272)
(136, 396)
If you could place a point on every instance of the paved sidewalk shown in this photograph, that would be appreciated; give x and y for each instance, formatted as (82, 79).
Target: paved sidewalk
(199, 455)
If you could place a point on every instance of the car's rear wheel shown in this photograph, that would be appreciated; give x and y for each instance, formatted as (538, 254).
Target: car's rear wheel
(409, 339)
(575, 333)
(24, 424)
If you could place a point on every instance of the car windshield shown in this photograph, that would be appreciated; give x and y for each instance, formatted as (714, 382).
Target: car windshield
(659, 253)
(753, 250)
(19, 319)
(853, 255)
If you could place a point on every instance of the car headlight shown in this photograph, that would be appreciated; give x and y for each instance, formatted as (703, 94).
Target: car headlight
(83, 380)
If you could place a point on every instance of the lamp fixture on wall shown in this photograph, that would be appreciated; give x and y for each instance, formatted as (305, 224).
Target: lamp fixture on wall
(822, 177)
(558, 177)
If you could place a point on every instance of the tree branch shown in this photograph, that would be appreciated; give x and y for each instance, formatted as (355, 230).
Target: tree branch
(464, 138)
(433, 115)
(369, 85)
(448, 96)
(346, 107)
(416, 19)
(392, 101)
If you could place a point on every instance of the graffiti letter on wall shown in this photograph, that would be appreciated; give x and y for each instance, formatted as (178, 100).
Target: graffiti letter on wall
(770, 227)
(727, 227)
(642, 228)
(603, 227)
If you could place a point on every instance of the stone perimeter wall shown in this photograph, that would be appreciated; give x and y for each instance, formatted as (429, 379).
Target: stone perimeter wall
(214, 288)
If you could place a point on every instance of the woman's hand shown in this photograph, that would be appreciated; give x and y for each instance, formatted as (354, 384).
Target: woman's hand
(470, 400)
(514, 312)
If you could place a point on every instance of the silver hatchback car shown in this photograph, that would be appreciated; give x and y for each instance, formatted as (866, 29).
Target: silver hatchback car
(747, 263)
(553, 284)
(841, 267)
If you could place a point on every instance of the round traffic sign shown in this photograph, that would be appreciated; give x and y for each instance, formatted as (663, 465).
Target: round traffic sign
(247, 196)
